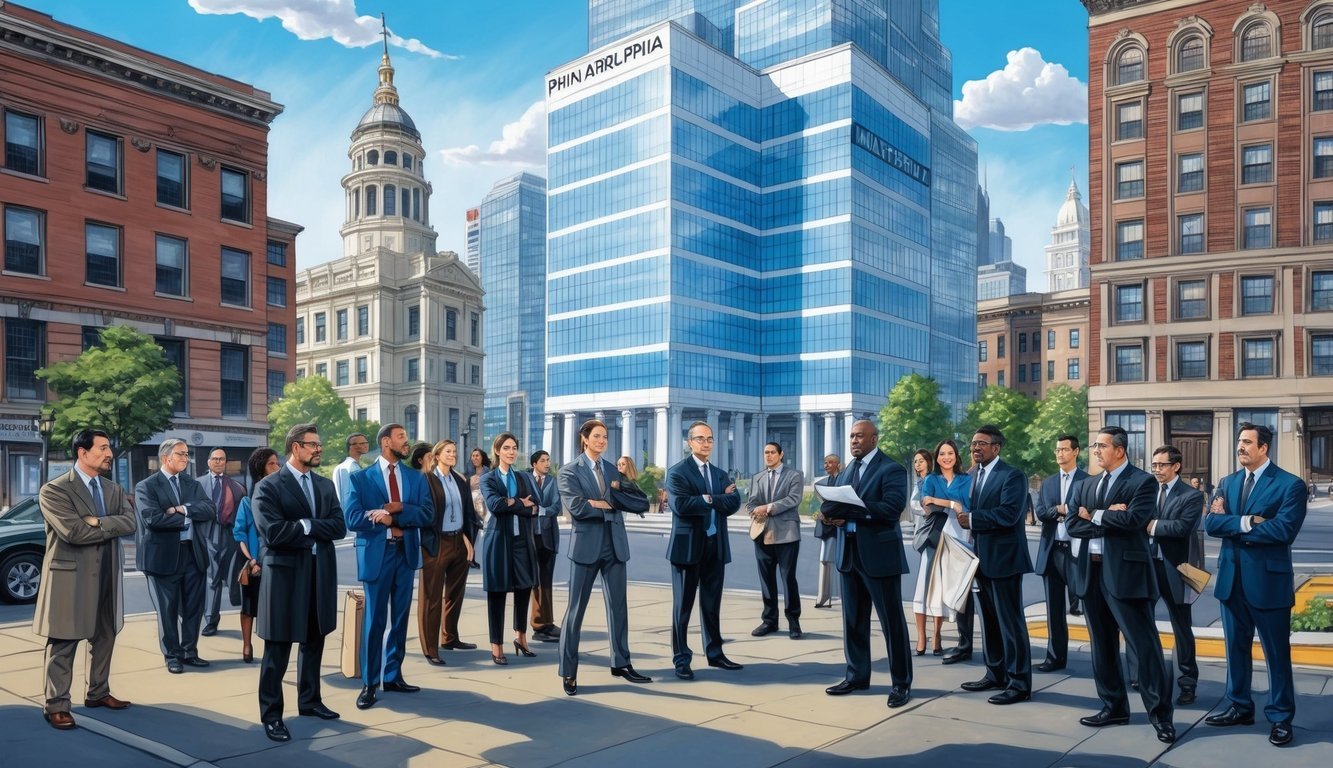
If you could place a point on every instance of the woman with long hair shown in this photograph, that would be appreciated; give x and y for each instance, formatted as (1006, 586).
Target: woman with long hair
(922, 465)
(946, 491)
(481, 464)
(262, 463)
(508, 549)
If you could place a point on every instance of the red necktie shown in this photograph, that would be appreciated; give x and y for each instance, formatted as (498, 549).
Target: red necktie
(394, 496)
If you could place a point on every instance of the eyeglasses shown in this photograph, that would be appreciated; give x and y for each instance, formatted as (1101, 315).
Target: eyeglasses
(982, 443)
(1101, 446)
(1162, 464)
(697, 439)
(315, 444)
(181, 454)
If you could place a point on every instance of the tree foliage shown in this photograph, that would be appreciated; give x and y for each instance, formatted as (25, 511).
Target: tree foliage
(1009, 410)
(125, 386)
(311, 400)
(1064, 411)
(913, 417)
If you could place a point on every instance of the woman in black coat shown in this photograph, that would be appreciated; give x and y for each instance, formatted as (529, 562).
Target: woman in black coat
(508, 549)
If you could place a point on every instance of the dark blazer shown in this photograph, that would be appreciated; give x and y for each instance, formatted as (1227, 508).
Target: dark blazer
(690, 513)
(1048, 498)
(279, 506)
(159, 548)
(577, 487)
(1174, 534)
(430, 534)
(1127, 569)
(548, 515)
(997, 523)
(497, 546)
(1263, 555)
(879, 539)
(366, 491)
(822, 531)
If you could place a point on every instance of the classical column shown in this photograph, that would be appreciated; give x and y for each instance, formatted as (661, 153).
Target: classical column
(807, 448)
(740, 427)
(759, 436)
(848, 420)
(661, 452)
(548, 433)
(830, 434)
(569, 439)
(627, 436)
(675, 436)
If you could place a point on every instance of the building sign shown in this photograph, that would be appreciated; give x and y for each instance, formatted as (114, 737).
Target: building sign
(18, 428)
(866, 139)
(607, 63)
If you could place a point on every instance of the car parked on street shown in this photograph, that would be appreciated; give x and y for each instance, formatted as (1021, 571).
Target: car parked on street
(22, 545)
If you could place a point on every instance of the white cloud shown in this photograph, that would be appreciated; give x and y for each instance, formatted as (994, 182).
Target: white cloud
(1029, 91)
(318, 19)
(522, 142)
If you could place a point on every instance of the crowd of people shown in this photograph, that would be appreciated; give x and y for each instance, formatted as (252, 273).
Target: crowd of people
(1118, 541)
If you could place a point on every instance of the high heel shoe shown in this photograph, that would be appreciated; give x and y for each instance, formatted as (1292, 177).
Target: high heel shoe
(921, 651)
(502, 661)
(523, 651)
(939, 651)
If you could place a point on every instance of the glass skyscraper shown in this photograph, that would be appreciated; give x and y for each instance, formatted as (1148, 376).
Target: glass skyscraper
(512, 256)
(761, 215)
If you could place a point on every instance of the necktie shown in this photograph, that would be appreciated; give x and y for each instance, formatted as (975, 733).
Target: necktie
(708, 480)
(856, 473)
(601, 479)
(712, 514)
(217, 494)
(393, 484)
(176, 487)
(1245, 492)
(976, 485)
(1161, 500)
(1101, 490)
(1064, 487)
(96, 488)
(308, 491)
(772, 484)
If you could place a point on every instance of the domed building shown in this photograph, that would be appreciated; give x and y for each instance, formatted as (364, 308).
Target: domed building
(393, 324)
(1071, 245)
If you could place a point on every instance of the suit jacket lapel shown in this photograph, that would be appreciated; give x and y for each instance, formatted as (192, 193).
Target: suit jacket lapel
(294, 488)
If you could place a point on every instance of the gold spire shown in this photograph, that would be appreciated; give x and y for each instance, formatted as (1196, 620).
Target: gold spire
(386, 93)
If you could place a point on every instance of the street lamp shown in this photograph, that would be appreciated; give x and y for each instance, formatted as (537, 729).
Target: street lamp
(44, 423)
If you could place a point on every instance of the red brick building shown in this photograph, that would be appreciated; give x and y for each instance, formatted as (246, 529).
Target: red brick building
(134, 192)
(1211, 170)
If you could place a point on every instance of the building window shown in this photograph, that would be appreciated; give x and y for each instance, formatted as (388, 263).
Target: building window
(1322, 97)
(1189, 111)
(1050, 370)
(277, 338)
(1129, 120)
(414, 321)
(235, 195)
(92, 338)
(322, 370)
(341, 372)
(277, 381)
(1191, 299)
(1323, 222)
(1135, 424)
(1321, 355)
(321, 328)
(172, 266)
(23, 143)
(390, 157)
(277, 292)
(982, 352)
(1128, 363)
(1073, 338)
(474, 329)
(1129, 180)
(1129, 66)
(1190, 54)
(1072, 369)
(235, 381)
(411, 417)
(981, 380)
(1191, 233)
(363, 320)
(1128, 304)
(1050, 338)
(25, 352)
(1321, 291)
(1257, 357)
(300, 330)
(277, 253)
(1022, 374)
(476, 375)
(370, 200)
(1256, 295)
(171, 179)
(1022, 343)
(373, 157)
(999, 347)
(102, 166)
(450, 325)
(1323, 157)
(235, 277)
(413, 369)
(451, 373)
(1129, 240)
(362, 370)
(1321, 32)
(1258, 228)
(174, 350)
(1258, 103)
(340, 325)
(102, 251)
(1256, 42)
(300, 373)
(25, 233)
(1034, 372)
(1189, 176)
(999, 379)
(362, 414)
(416, 203)
(407, 161)
(1256, 164)
(390, 200)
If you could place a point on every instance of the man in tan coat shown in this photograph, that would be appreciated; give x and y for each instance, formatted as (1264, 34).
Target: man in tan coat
(80, 596)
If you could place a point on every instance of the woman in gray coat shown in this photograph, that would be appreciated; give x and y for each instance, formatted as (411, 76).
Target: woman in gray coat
(508, 549)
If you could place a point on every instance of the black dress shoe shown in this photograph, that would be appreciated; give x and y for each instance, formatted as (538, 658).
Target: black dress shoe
(459, 645)
(1185, 698)
(277, 731)
(794, 632)
(570, 685)
(1050, 666)
(209, 630)
(194, 661)
(175, 667)
(1075, 610)
(401, 686)
(1233, 716)
(367, 698)
(1010, 696)
(1104, 718)
(684, 672)
(764, 629)
(845, 687)
(1280, 736)
(320, 711)
(722, 662)
(984, 684)
(955, 656)
(629, 674)
(898, 696)
(437, 661)
(1166, 731)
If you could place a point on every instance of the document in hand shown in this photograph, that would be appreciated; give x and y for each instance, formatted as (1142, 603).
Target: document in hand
(843, 493)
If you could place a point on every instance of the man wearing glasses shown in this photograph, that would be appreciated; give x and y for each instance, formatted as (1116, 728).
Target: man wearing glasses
(1172, 536)
(172, 506)
(358, 445)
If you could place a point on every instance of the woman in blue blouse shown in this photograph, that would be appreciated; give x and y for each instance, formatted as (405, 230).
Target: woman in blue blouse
(508, 549)
(262, 463)
(945, 492)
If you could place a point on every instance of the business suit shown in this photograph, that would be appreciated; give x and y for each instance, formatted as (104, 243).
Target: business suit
(1055, 559)
(996, 518)
(81, 595)
(444, 565)
(597, 545)
(385, 561)
(1255, 583)
(698, 560)
(872, 560)
(1119, 588)
(175, 566)
(226, 495)
(1173, 538)
(777, 539)
(547, 535)
(298, 595)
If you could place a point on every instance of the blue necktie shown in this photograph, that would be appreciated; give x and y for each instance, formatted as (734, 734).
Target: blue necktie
(96, 487)
(708, 486)
(308, 491)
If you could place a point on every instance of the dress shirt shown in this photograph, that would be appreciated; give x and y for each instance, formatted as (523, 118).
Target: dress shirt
(88, 481)
(174, 482)
(303, 484)
(1152, 527)
(850, 525)
(1095, 545)
(511, 488)
(708, 486)
(452, 519)
(1245, 524)
(1066, 480)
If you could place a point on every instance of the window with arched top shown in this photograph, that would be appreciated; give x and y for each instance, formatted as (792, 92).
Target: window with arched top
(1129, 65)
(390, 200)
(416, 203)
(356, 203)
(1190, 55)
(1321, 31)
(406, 206)
(1256, 42)
(373, 157)
(390, 157)
(407, 161)
(370, 200)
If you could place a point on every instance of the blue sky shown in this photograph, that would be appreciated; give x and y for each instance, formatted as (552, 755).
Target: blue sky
(470, 74)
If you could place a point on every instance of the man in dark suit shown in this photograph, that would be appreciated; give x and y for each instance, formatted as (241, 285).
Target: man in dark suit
(444, 568)
(171, 504)
(1257, 513)
(995, 517)
(80, 596)
(872, 561)
(1116, 580)
(702, 498)
(546, 530)
(589, 492)
(1171, 533)
(297, 514)
(386, 505)
(226, 495)
(775, 525)
(1055, 559)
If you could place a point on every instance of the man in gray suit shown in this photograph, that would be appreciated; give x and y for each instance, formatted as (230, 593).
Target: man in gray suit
(1171, 532)
(775, 525)
(592, 493)
(546, 529)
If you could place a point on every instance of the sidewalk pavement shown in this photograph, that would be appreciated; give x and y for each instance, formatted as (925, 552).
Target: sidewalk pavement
(774, 712)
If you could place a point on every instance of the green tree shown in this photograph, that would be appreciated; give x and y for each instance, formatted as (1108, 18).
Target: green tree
(125, 386)
(913, 417)
(311, 400)
(650, 480)
(1009, 410)
(1064, 411)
